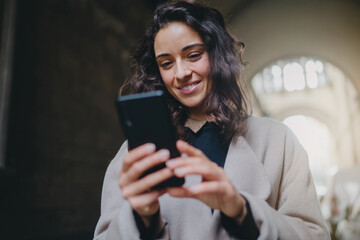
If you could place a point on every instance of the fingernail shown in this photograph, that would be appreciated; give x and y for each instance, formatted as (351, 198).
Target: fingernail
(182, 143)
(194, 189)
(150, 147)
(164, 153)
(179, 171)
(170, 163)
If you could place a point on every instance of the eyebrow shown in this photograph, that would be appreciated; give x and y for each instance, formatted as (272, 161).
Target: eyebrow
(184, 49)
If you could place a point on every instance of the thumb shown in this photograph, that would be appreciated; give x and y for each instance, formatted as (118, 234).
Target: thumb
(186, 148)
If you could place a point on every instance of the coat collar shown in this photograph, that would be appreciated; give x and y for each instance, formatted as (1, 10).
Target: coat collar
(245, 170)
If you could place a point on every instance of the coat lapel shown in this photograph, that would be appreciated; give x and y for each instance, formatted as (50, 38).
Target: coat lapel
(246, 171)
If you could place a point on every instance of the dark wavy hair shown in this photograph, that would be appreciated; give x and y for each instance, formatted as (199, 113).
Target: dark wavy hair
(226, 102)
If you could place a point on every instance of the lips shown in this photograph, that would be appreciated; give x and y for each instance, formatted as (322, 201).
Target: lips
(189, 88)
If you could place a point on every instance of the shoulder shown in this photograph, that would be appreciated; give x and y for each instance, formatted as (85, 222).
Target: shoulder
(265, 132)
(260, 127)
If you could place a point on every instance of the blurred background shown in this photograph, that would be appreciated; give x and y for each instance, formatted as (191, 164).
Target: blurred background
(63, 61)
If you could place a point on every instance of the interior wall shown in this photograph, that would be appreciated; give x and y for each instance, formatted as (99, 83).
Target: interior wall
(277, 29)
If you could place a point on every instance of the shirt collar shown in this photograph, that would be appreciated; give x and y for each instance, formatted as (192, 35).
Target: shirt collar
(195, 125)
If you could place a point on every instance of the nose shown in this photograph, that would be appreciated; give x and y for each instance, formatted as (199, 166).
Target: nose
(183, 71)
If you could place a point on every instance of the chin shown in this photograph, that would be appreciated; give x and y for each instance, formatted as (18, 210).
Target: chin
(191, 103)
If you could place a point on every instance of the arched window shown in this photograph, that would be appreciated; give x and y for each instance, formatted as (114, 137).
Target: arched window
(319, 103)
(290, 75)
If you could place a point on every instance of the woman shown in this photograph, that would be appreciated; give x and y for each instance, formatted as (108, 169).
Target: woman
(254, 177)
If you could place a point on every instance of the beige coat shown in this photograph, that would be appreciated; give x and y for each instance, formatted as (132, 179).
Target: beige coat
(268, 166)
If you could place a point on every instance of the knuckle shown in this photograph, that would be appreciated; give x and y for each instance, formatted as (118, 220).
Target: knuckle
(136, 168)
(208, 168)
(153, 179)
(198, 159)
(133, 204)
(127, 159)
(160, 175)
(214, 166)
(148, 161)
(121, 184)
(197, 152)
(220, 187)
(125, 194)
(165, 173)
(136, 205)
(220, 170)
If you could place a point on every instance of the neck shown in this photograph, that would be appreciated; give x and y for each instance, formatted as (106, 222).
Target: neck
(198, 114)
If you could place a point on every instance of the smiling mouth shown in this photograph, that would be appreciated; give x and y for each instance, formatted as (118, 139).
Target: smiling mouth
(189, 87)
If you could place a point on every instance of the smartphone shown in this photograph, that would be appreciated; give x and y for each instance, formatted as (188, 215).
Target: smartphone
(145, 118)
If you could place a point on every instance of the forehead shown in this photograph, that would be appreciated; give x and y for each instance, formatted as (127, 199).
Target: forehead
(175, 36)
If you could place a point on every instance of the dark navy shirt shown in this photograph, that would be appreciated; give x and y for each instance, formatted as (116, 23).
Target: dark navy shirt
(210, 142)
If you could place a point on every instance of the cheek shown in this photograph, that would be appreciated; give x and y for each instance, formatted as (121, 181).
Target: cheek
(204, 67)
(167, 78)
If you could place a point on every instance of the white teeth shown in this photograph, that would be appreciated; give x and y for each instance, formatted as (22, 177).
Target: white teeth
(188, 87)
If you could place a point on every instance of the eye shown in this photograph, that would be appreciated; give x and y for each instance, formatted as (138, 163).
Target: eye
(165, 64)
(195, 56)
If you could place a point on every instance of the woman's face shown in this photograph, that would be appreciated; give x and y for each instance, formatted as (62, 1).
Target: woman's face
(184, 65)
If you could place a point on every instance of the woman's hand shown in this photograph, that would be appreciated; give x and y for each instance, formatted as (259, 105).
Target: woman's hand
(138, 190)
(215, 190)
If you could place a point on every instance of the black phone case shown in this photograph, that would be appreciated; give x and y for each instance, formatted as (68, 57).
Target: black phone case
(145, 118)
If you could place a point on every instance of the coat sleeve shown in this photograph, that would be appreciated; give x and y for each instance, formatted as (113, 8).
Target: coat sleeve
(117, 220)
(297, 214)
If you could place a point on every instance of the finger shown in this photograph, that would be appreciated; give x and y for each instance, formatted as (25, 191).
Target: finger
(211, 187)
(187, 166)
(137, 154)
(146, 183)
(146, 201)
(180, 192)
(182, 161)
(228, 200)
(186, 148)
(141, 166)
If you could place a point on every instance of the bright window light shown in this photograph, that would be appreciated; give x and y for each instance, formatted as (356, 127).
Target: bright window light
(319, 143)
(294, 78)
(290, 75)
(311, 74)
